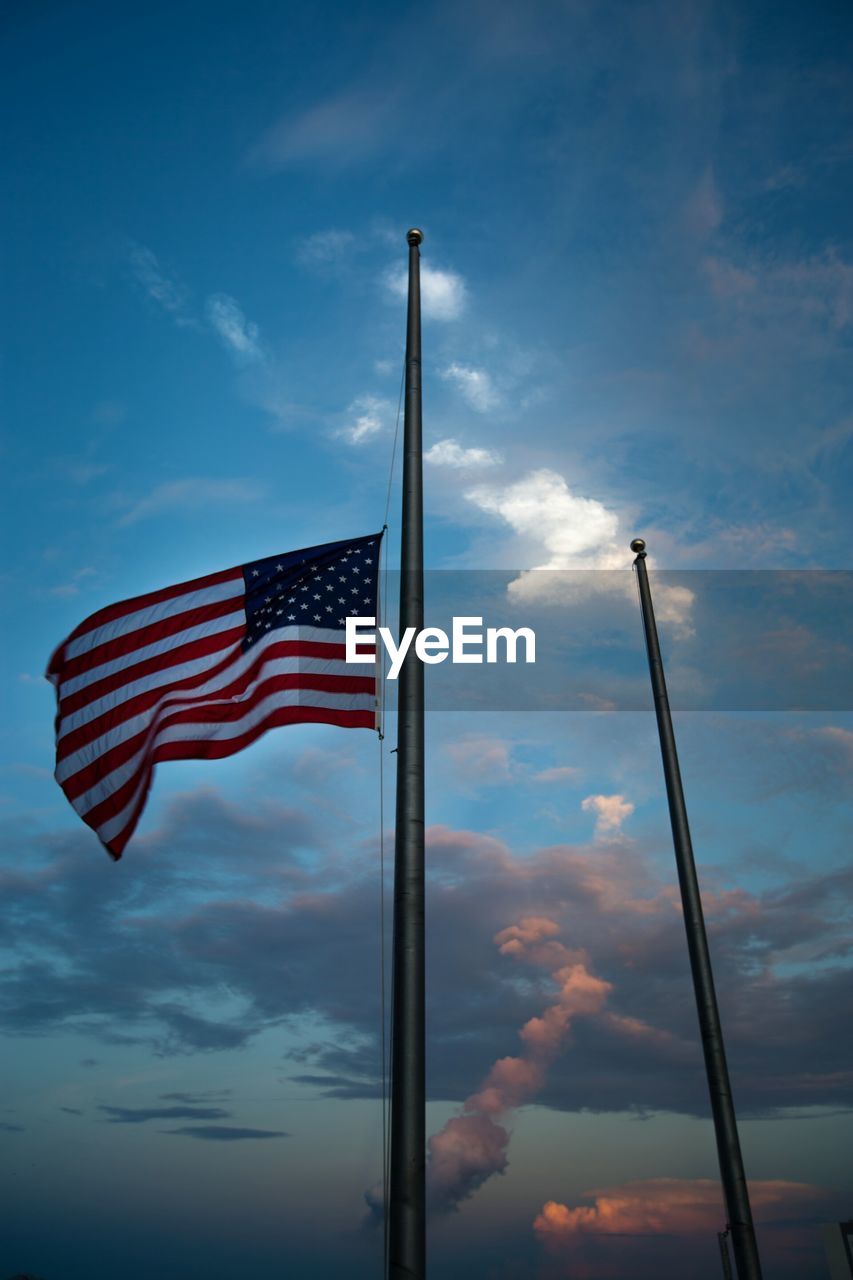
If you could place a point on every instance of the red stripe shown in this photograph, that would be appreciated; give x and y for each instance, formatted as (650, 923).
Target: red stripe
(165, 694)
(159, 662)
(190, 750)
(225, 713)
(91, 774)
(146, 635)
(120, 610)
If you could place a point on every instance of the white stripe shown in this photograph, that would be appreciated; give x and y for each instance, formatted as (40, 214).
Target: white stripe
(154, 613)
(199, 632)
(86, 754)
(219, 732)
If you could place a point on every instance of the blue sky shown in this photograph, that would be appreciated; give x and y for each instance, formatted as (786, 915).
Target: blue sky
(638, 308)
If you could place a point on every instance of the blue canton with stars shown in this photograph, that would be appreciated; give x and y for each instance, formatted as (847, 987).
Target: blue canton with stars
(315, 587)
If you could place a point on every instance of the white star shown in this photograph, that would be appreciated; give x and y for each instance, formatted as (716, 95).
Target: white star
(317, 617)
(279, 612)
(358, 551)
(304, 587)
(291, 617)
(342, 599)
(279, 567)
(303, 605)
(342, 578)
(317, 597)
(254, 573)
(328, 608)
(355, 569)
(268, 626)
(266, 599)
(329, 586)
(354, 591)
(368, 562)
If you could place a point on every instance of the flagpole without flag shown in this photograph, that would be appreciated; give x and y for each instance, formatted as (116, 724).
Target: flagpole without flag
(407, 1202)
(722, 1105)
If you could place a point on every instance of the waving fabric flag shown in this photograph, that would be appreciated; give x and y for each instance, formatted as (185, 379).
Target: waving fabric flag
(202, 669)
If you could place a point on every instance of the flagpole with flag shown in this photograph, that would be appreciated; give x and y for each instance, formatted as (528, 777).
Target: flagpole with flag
(407, 1192)
(722, 1105)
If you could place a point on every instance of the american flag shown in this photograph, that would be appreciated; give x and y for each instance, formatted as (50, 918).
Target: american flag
(202, 669)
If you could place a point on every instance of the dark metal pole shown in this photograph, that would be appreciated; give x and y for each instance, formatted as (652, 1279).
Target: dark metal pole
(722, 1238)
(722, 1105)
(407, 1211)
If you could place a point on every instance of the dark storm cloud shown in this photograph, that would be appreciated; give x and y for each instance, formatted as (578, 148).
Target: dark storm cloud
(225, 1133)
(139, 1115)
(286, 935)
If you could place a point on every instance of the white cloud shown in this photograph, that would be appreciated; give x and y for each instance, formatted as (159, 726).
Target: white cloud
(560, 773)
(449, 453)
(610, 812)
(324, 248)
(170, 295)
(191, 495)
(475, 385)
(443, 293)
(574, 532)
(237, 333)
(370, 414)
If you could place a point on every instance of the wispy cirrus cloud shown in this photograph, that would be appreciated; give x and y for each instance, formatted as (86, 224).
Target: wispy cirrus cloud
(194, 493)
(475, 385)
(340, 130)
(225, 1133)
(74, 585)
(324, 248)
(367, 416)
(159, 285)
(141, 1115)
(238, 335)
(223, 315)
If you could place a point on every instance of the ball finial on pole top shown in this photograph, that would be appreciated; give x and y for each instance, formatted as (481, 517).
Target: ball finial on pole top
(415, 236)
(638, 546)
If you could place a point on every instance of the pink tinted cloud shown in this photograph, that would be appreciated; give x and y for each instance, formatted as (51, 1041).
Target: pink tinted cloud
(472, 1146)
(671, 1205)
